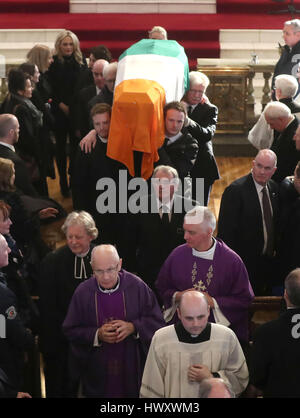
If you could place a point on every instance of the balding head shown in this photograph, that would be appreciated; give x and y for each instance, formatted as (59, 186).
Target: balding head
(9, 128)
(264, 166)
(193, 311)
(214, 388)
(106, 264)
(97, 71)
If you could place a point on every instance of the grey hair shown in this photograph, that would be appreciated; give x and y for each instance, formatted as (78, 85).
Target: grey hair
(292, 286)
(81, 218)
(166, 169)
(160, 30)
(277, 110)
(295, 23)
(287, 84)
(200, 215)
(196, 77)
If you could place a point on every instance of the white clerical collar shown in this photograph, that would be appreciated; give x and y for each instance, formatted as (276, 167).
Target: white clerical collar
(207, 255)
(173, 138)
(8, 146)
(109, 291)
(79, 266)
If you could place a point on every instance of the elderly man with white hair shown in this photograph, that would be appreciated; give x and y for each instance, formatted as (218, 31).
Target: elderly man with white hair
(279, 117)
(158, 32)
(110, 323)
(201, 124)
(207, 264)
(261, 135)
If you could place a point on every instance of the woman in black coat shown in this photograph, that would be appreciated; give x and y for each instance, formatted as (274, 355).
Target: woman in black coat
(18, 102)
(64, 72)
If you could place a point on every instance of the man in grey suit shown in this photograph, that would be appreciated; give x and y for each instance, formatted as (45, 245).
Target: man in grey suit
(248, 221)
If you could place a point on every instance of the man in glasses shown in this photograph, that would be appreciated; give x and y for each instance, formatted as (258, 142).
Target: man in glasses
(110, 323)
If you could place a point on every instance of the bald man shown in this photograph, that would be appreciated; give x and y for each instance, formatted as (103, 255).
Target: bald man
(9, 136)
(242, 222)
(110, 322)
(181, 356)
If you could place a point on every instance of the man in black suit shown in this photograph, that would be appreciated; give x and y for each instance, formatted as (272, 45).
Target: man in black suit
(180, 148)
(201, 124)
(155, 232)
(107, 92)
(9, 135)
(86, 94)
(280, 118)
(286, 87)
(248, 221)
(91, 167)
(275, 360)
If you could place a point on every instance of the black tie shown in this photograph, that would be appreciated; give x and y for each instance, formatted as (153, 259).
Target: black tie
(166, 142)
(165, 216)
(268, 222)
(190, 109)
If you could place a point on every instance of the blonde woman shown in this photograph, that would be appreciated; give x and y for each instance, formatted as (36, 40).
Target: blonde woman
(64, 73)
(41, 56)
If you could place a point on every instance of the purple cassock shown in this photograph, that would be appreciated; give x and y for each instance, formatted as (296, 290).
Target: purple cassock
(111, 370)
(225, 278)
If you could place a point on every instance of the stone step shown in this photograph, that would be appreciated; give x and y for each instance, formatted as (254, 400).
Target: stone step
(242, 43)
(145, 6)
(15, 43)
(26, 35)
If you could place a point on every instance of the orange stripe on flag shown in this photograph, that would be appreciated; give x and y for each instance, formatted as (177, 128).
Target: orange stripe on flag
(137, 123)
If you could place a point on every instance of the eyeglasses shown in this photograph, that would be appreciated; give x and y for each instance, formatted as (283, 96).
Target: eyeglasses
(109, 271)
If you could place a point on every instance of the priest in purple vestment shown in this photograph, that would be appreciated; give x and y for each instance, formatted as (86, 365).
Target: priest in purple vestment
(210, 266)
(110, 323)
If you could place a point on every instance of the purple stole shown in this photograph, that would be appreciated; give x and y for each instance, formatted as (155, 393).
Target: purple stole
(110, 306)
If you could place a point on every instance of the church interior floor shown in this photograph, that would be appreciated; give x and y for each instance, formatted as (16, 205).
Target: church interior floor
(230, 169)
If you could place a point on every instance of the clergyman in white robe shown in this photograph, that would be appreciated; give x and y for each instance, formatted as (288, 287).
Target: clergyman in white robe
(173, 350)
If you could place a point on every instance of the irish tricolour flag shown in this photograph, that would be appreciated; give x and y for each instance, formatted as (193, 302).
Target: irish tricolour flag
(150, 73)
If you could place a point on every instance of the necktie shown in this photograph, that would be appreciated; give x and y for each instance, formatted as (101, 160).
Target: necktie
(190, 109)
(166, 142)
(165, 216)
(268, 222)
